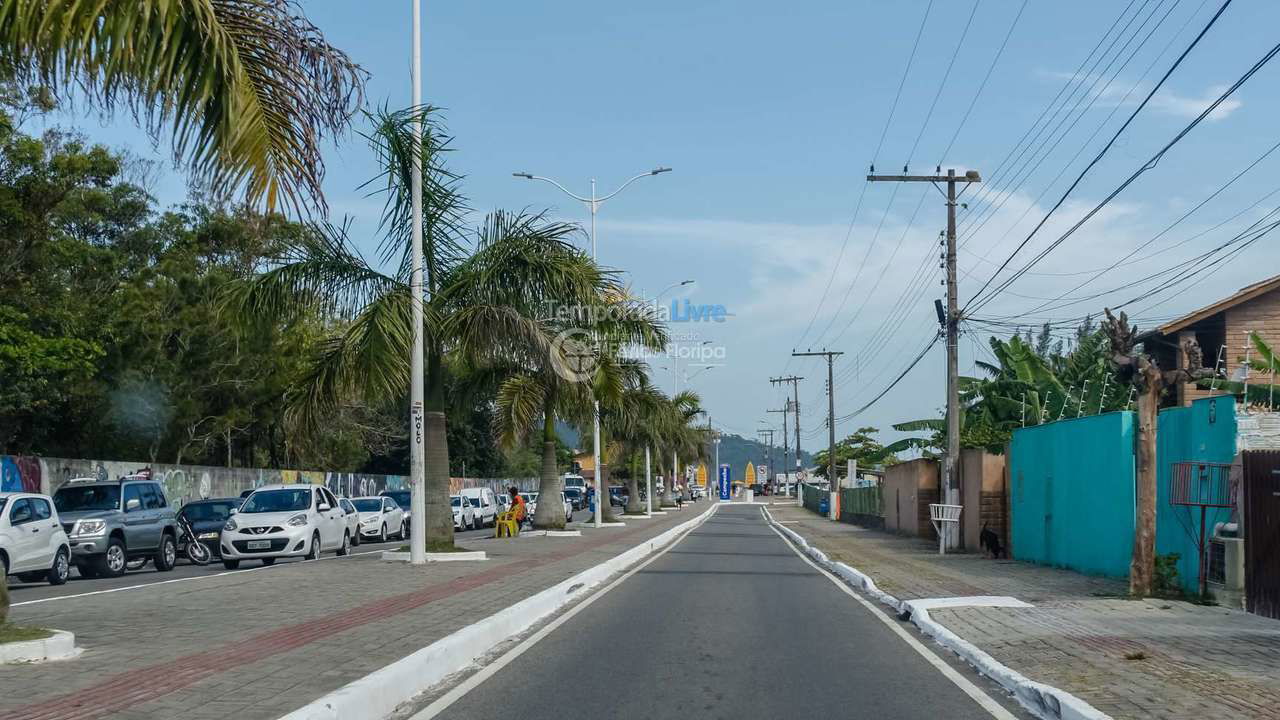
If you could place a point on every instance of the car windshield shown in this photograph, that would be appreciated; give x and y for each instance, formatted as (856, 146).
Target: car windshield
(368, 504)
(218, 511)
(401, 498)
(265, 501)
(89, 497)
(530, 497)
(456, 501)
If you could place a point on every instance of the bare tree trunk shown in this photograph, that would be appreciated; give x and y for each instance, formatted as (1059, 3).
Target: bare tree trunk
(606, 508)
(1142, 567)
(439, 534)
(550, 512)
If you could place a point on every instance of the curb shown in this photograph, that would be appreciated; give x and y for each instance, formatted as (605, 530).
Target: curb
(464, 556)
(1043, 701)
(592, 526)
(58, 646)
(550, 533)
(378, 694)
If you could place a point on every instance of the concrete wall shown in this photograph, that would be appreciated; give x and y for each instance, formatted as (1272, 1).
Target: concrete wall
(183, 483)
(983, 495)
(908, 490)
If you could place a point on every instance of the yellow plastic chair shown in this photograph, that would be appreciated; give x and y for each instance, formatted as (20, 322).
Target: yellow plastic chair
(506, 526)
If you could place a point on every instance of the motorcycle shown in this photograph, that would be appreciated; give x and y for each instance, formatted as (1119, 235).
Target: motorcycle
(197, 552)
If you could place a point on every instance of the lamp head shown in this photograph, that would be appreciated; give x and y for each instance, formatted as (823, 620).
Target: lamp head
(658, 170)
(524, 175)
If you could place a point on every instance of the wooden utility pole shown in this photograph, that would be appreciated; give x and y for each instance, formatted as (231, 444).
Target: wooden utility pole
(768, 453)
(795, 407)
(785, 450)
(951, 478)
(830, 355)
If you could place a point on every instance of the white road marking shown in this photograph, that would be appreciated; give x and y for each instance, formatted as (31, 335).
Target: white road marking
(966, 686)
(458, 691)
(158, 583)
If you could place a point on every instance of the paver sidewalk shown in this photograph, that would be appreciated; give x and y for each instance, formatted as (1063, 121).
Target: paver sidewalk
(257, 645)
(1128, 658)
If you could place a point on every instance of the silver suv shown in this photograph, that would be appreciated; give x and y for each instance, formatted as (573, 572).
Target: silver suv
(110, 523)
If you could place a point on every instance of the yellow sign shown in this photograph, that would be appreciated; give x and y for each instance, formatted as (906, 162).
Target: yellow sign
(702, 474)
(749, 477)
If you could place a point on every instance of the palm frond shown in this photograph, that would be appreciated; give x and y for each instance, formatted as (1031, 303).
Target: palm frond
(249, 89)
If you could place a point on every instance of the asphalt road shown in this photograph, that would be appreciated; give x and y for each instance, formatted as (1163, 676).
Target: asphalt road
(25, 592)
(729, 623)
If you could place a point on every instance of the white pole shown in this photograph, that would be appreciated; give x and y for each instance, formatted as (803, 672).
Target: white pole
(595, 403)
(417, 455)
(648, 484)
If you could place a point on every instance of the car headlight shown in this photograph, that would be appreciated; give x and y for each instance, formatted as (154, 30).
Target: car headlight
(89, 527)
(231, 525)
(298, 520)
(207, 536)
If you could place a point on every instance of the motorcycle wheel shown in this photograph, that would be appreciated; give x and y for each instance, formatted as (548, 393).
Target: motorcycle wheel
(198, 553)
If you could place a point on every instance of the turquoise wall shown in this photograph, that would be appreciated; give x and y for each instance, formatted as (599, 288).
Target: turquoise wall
(1204, 432)
(1072, 493)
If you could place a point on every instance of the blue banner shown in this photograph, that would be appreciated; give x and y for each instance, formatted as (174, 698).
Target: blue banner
(725, 485)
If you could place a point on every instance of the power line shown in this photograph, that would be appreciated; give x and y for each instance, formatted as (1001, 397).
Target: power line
(943, 84)
(893, 384)
(965, 118)
(1151, 163)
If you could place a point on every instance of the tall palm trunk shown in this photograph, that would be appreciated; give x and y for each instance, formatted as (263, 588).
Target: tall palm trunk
(633, 495)
(550, 512)
(606, 508)
(439, 531)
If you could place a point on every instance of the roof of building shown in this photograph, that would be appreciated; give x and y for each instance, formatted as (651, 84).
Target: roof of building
(1243, 295)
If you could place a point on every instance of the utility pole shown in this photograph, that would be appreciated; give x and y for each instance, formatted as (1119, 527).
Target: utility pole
(768, 454)
(785, 450)
(951, 487)
(795, 407)
(833, 480)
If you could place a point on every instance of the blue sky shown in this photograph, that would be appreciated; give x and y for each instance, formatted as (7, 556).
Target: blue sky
(770, 114)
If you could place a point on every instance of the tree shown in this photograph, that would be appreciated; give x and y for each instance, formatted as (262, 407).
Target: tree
(1146, 377)
(249, 89)
(861, 447)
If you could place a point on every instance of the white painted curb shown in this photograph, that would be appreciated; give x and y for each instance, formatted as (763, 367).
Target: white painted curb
(549, 533)
(378, 694)
(464, 556)
(592, 526)
(1043, 701)
(58, 646)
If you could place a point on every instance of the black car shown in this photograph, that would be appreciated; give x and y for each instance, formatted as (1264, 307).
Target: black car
(576, 497)
(402, 498)
(207, 518)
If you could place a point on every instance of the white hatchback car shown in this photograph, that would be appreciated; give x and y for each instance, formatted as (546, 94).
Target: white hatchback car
(285, 521)
(33, 545)
(464, 516)
(381, 517)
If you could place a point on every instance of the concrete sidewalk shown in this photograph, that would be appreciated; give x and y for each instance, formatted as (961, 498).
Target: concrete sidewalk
(1128, 658)
(257, 645)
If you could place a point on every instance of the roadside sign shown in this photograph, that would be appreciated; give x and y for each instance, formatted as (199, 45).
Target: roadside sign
(724, 482)
(749, 477)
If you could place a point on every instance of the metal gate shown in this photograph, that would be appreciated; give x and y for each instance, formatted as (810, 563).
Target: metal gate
(1262, 532)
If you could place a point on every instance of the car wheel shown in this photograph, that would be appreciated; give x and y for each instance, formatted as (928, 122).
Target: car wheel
(61, 569)
(268, 561)
(404, 531)
(113, 562)
(231, 564)
(4, 562)
(355, 539)
(88, 572)
(314, 552)
(382, 536)
(346, 544)
(167, 555)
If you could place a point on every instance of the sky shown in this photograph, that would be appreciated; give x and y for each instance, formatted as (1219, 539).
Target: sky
(771, 114)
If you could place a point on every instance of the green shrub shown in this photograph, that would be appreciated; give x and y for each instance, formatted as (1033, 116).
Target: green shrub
(1165, 583)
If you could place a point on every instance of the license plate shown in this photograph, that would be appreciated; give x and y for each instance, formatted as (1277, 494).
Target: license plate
(259, 545)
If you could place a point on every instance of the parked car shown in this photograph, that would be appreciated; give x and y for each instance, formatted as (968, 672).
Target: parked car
(352, 517)
(464, 516)
(380, 516)
(404, 499)
(110, 523)
(577, 496)
(207, 518)
(568, 507)
(530, 505)
(285, 521)
(484, 503)
(575, 481)
(33, 544)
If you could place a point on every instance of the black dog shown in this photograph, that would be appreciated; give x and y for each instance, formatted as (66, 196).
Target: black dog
(990, 542)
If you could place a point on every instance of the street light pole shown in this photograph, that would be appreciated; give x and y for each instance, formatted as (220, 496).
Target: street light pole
(417, 454)
(593, 203)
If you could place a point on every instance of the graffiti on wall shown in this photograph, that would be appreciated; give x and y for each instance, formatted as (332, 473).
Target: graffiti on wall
(184, 483)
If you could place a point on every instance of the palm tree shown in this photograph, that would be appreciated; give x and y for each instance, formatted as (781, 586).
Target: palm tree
(633, 422)
(249, 89)
(594, 325)
(684, 437)
(467, 308)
